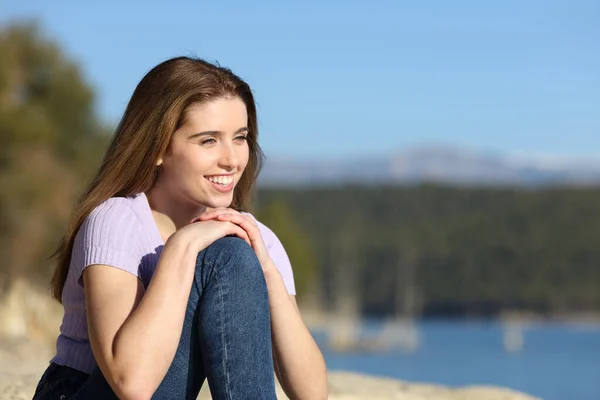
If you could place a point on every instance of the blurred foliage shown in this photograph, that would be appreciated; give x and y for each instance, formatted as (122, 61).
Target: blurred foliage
(278, 217)
(50, 142)
(456, 251)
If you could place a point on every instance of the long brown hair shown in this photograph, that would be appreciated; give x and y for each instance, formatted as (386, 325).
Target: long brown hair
(155, 111)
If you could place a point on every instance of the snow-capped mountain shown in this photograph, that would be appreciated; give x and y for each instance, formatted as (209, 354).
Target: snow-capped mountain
(433, 164)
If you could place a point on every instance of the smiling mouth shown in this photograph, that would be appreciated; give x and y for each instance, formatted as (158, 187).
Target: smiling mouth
(223, 180)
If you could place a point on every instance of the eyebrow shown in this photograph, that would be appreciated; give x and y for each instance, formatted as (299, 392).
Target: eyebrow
(216, 133)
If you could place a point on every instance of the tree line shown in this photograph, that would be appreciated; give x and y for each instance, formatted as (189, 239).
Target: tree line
(433, 250)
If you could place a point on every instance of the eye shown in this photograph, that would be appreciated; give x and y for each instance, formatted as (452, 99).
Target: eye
(241, 138)
(208, 141)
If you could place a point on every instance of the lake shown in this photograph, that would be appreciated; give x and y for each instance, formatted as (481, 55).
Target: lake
(555, 361)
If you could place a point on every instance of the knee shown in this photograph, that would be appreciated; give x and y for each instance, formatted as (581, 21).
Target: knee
(232, 247)
(233, 256)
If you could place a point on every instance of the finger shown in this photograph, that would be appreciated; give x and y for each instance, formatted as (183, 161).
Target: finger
(208, 210)
(238, 231)
(214, 212)
(241, 221)
(216, 216)
(250, 219)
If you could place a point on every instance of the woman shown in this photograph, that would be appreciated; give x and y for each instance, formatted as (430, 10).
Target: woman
(164, 281)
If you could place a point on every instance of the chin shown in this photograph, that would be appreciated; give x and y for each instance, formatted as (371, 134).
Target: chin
(215, 202)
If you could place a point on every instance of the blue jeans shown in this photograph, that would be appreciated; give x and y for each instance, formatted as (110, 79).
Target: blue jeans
(226, 337)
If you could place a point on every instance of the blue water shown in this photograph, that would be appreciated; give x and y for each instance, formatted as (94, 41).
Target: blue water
(557, 362)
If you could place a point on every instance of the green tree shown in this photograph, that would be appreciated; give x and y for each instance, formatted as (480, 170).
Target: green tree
(50, 142)
(278, 217)
(439, 250)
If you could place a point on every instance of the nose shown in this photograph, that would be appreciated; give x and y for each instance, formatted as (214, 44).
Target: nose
(228, 159)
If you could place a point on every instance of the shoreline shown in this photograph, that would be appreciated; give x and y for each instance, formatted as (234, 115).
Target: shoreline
(317, 319)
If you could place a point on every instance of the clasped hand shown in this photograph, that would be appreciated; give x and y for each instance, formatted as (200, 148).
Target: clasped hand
(226, 221)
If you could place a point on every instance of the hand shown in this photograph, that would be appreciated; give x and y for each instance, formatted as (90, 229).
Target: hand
(202, 234)
(247, 224)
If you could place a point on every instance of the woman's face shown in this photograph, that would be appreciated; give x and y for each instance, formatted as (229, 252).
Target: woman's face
(207, 154)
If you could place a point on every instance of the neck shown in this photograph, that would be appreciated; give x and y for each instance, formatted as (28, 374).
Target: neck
(170, 213)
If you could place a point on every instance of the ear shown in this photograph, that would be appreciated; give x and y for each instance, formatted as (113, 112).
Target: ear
(159, 162)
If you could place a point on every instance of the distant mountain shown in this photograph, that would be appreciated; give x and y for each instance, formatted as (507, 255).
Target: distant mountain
(431, 164)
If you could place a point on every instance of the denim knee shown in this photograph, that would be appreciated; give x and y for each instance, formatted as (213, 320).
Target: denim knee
(233, 257)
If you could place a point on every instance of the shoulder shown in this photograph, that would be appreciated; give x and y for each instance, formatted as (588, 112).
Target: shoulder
(116, 210)
(114, 218)
(112, 234)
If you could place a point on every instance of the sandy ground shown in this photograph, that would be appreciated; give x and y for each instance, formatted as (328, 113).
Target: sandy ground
(343, 386)
(22, 363)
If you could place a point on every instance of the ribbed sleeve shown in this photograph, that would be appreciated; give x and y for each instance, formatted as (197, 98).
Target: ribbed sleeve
(111, 235)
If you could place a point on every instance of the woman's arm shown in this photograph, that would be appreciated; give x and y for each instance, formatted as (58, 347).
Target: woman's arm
(134, 335)
(300, 366)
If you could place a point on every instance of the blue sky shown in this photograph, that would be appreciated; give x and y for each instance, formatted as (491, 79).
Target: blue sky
(341, 78)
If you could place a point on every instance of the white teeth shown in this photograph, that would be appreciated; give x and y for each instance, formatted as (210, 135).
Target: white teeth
(221, 180)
